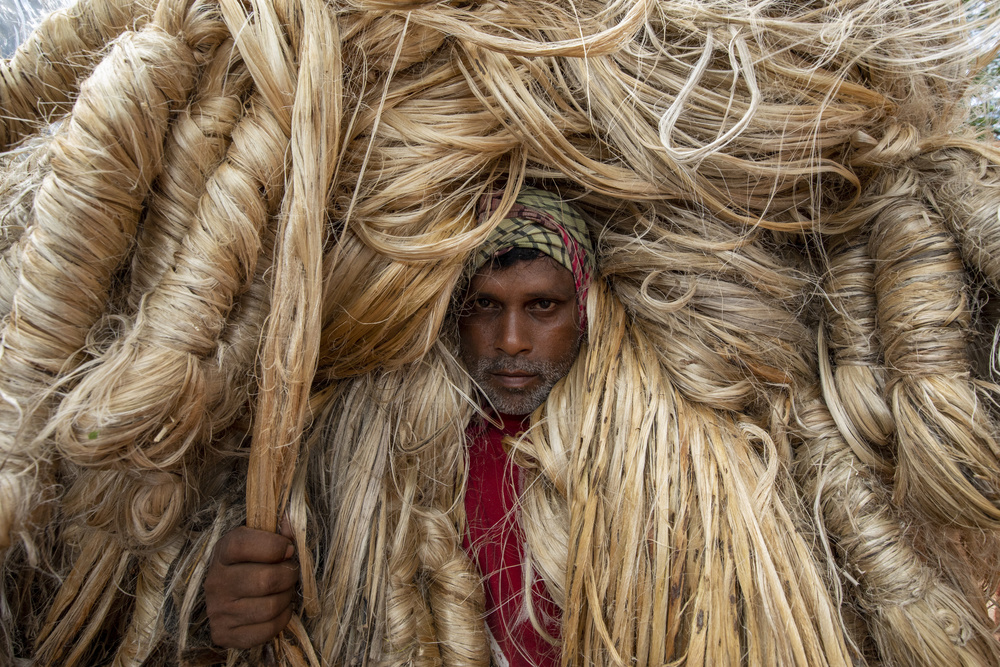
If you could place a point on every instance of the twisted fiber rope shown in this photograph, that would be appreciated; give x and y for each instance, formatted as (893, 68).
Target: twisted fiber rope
(855, 391)
(24, 170)
(38, 82)
(916, 615)
(198, 142)
(139, 640)
(177, 329)
(356, 140)
(37, 346)
(961, 185)
(148, 496)
(945, 441)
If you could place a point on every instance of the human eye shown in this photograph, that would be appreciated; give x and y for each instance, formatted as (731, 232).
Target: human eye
(545, 305)
(477, 305)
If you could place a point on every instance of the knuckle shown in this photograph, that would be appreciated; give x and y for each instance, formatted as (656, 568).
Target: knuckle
(289, 575)
(273, 580)
(247, 613)
(212, 609)
(263, 581)
(273, 607)
(225, 550)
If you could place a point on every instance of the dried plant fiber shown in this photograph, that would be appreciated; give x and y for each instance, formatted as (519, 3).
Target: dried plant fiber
(232, 237)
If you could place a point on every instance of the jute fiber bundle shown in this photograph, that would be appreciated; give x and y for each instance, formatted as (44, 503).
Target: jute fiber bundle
(233, 237)
(39, 82)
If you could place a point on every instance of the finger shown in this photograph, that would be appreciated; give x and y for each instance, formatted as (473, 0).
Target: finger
(251, 580)
(226, 615)
(248, 636)
(246, 545)
(255, 611)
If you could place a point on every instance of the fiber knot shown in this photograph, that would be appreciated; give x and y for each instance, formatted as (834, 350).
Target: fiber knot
(899, 143)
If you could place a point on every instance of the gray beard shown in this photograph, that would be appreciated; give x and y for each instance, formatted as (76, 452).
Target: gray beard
(515, 401)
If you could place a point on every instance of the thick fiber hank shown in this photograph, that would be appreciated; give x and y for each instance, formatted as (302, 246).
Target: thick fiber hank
(689, 131)
(914, 615)
(946, 443)
(685, 506)
(290, 350)
(62, 264)
(38, 82)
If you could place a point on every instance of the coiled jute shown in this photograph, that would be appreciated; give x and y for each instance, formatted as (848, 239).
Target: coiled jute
(231, 239)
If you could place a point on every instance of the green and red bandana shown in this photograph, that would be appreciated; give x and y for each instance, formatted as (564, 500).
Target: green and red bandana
(541, 221)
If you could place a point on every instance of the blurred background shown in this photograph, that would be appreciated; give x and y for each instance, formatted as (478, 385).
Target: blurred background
(19, 17)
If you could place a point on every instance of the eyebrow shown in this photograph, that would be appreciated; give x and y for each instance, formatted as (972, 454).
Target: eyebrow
(551, 294)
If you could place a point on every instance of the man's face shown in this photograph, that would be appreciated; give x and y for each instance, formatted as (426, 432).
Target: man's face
(520, 332)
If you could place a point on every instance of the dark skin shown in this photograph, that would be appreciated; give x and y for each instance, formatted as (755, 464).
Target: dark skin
(520, 324)
(250, 586)
(519, 332)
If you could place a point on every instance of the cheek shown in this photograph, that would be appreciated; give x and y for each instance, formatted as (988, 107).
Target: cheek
(564, 342)
(470, 340)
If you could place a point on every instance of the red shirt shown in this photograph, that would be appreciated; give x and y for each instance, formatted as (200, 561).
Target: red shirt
(495, 542)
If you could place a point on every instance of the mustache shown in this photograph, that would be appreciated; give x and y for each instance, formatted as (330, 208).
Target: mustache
(513, 365)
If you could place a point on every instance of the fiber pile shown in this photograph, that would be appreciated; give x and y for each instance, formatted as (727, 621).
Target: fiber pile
(232, 234)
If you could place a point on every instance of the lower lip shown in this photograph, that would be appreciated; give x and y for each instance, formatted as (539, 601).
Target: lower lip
(514, 381)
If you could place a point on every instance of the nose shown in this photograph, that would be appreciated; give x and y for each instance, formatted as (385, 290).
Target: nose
(514, 335)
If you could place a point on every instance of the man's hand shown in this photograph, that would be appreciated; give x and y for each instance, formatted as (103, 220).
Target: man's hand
(250, 586)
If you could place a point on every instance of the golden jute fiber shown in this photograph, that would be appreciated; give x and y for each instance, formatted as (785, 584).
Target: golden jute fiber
(232, 240)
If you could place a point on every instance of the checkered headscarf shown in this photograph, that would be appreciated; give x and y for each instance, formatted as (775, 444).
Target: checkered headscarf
(542, 221)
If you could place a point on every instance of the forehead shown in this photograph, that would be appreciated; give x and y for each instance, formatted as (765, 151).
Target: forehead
(542, 276)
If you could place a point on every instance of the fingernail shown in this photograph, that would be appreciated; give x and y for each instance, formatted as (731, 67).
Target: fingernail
(290, 551)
